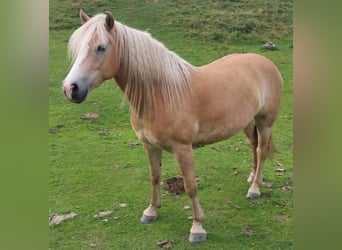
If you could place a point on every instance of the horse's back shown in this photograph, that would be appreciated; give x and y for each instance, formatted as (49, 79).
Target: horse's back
(248, 63)
(239, 77)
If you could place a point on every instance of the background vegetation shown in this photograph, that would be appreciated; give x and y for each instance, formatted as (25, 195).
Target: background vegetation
(98, 164)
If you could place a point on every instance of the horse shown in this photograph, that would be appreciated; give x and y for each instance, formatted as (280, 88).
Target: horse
(174, 105)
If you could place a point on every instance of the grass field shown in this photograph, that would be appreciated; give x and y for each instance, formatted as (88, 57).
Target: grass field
(98, 164)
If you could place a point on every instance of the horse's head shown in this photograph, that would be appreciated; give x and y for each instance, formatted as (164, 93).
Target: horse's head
(93, 54)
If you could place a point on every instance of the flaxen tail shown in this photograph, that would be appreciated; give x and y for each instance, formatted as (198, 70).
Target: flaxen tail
(271, 149)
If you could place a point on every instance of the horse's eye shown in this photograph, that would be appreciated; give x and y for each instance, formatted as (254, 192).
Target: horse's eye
(100, 49)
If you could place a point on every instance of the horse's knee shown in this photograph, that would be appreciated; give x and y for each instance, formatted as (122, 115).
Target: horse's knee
(192, 193)
(155, 179)
(190, 189)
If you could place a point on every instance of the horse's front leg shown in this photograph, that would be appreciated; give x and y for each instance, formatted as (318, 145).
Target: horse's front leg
(185, 159)
(154, 155)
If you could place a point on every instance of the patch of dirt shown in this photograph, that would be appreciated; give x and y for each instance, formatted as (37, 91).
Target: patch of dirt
(175, 185)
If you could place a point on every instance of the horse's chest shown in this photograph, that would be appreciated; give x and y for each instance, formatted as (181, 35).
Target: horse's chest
(145, 133)
(147, 136)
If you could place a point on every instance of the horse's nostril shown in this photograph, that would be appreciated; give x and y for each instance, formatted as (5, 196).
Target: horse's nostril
(74, 87)
(74, 91)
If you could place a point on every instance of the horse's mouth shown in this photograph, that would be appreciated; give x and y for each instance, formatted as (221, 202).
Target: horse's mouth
(79, 99)
(76, 98)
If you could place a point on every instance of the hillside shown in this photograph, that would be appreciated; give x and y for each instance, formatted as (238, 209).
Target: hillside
(232, 21)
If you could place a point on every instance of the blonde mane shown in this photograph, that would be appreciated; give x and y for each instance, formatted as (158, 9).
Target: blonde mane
(145, 64)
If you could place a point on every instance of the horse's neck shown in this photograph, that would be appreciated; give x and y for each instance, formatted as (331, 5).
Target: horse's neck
(121, 80)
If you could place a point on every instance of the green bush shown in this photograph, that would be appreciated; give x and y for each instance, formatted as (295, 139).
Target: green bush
(242, 26)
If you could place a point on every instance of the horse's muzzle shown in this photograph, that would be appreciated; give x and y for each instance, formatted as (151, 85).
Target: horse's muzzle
(74, 93)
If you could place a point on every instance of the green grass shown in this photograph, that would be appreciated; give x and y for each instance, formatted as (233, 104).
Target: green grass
(93, 167)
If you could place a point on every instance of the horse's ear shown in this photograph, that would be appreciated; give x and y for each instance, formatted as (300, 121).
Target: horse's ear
(83, 16)
(109, 21)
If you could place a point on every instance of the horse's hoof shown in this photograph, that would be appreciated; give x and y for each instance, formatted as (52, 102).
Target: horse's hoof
(251, 195)
(194, 238)
(147, 219)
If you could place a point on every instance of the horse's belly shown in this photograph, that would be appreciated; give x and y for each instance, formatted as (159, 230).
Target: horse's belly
(212, 134)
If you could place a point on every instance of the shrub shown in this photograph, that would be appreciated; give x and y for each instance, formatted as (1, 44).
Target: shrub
(243, 26)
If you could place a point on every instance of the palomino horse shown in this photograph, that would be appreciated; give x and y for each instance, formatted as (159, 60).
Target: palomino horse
(176, 106)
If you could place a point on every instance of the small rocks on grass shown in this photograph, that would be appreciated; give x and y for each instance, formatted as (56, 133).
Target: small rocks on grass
(56, 219)
(267, 184)
(164, 243)
(236, 207)
(280, 171)
(123, 204)
(102, 214)
(248, 231)
(287, 186)
(255, 202)
(269, 46)
(133, 144)
(90, 116)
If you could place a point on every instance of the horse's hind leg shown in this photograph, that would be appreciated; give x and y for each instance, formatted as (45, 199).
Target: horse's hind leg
(184, 156)
(265, 146)
(154, 155)
(251, 133)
